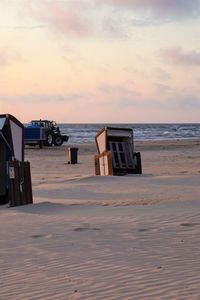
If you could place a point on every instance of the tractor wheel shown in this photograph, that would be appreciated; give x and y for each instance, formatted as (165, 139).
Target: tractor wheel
(49, 140)
(58, 140)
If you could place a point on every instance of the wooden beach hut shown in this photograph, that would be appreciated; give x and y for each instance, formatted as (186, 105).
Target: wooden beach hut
(116, 155)
(15, 178)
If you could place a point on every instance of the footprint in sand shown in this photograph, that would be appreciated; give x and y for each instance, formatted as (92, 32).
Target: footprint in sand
(75, 296)
(189, 224)
(143, 229)
(80, 229)
(37, 236)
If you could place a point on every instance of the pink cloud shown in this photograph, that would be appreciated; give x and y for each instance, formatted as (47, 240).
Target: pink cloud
(7, 57)
(4, 58)
(181, 57)
(67, 18)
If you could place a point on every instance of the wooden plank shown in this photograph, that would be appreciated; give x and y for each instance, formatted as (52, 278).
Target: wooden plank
(129, 155)
(96, 164)
(103, 163)
(110, 166)
(122, 155)
(115, 155)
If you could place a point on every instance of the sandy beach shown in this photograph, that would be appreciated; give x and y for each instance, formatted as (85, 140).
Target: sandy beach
(105, 237)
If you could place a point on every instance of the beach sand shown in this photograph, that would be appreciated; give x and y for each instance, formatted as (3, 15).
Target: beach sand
(105, 237)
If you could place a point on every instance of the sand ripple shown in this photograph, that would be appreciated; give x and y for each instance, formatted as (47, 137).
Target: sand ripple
(139, 253)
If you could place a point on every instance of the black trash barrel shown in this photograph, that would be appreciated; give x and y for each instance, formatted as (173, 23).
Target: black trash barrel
(73, 155)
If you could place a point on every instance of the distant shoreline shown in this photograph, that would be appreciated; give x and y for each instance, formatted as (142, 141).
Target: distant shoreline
(174, 142)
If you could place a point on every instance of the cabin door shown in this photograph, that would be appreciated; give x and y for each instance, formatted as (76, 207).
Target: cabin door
(2, 168)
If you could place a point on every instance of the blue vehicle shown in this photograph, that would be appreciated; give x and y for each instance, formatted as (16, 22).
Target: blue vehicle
(43, 133)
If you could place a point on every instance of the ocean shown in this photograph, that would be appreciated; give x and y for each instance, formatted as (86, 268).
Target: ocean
(85, 133)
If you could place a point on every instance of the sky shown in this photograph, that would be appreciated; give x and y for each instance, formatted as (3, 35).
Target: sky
(100, 61)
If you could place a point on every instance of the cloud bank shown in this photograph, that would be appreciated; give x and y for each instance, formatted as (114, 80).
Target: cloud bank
(7, 57)
(169, 9)
(67, 17)
(83, 18)
(180, 57)
(4, 58)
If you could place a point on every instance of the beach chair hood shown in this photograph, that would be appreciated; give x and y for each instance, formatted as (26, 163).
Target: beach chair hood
(12, 136)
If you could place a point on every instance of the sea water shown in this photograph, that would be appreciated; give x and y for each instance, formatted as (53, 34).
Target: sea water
(85, 133)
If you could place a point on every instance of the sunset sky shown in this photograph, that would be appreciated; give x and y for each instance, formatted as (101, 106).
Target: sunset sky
(77, 61)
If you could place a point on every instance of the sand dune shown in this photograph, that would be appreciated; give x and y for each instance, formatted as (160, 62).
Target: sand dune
(89, 237)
